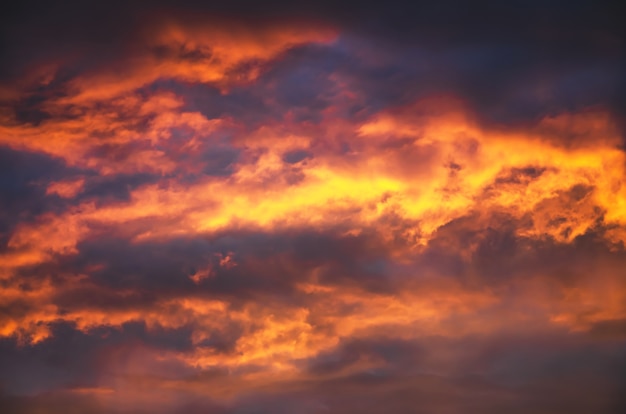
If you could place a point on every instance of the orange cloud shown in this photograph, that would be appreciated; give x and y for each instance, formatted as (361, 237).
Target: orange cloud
(564, 190)
(66, 189)
(465, 168)
(407, 174)
(101, 117)
(205, 209)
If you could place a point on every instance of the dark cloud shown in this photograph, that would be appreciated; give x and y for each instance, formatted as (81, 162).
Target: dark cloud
(51, 403)
(612, 329)
(294, 157)
(107, 189)
(24, 177)
(76, 359)
(491, 249)
(514, 374)
(265, 264)
(513, 61)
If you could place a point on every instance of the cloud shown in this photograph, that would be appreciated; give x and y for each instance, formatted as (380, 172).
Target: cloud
(322, 208)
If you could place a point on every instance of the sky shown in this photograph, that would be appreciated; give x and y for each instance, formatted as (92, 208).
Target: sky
(315, 208)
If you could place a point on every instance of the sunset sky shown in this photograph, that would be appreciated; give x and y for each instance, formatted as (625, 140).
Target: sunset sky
(319, 208)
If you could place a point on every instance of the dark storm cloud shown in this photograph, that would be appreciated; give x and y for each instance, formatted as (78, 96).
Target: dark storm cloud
(516, 373)
(264, 264)
(52, 404)
(296, 82)
(113, 188)
(445, 20)
(507, 84)
(78, 359)
(162, 266)
(247, 106)
(24, 177)
(612, 329)
(499, 254)
(514, 62)
(486, 374)
(220, 161)
(392, 354)
(294, 157)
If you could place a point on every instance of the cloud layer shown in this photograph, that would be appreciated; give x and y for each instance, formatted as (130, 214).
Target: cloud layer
(326, 209)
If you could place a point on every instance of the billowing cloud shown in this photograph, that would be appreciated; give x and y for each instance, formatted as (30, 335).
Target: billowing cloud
(327, 209)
